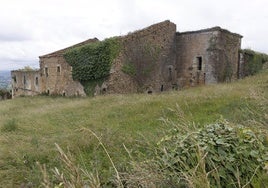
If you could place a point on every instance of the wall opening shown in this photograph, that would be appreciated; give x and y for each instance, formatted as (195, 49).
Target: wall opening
(199, 63)
(174, 86)
(24, 80)
(15, 79)
(36, 81)
(162, 88)
(58, 69)
(170, 73)
(46, 71)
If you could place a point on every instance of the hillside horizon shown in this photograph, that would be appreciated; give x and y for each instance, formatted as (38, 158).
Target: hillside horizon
(5, 79)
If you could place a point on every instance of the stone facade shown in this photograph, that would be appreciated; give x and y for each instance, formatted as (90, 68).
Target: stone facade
(175, 59)
(25, 82)
(159, 57)
(207, 56)
(56, 74)
(151, 53)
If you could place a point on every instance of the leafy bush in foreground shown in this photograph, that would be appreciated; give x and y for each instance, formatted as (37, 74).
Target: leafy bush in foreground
(217, 155)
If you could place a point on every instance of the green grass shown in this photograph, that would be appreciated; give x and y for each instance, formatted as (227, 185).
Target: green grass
(29, 126)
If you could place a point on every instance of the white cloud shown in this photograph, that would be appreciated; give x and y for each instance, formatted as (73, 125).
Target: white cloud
(30, 28)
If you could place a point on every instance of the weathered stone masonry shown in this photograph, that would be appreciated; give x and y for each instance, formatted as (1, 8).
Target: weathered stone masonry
(207, 56)
(25, 82)
(161, 58)
(56, 74)
(151, 51)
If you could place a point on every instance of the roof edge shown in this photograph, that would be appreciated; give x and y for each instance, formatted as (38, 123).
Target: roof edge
(216, 28)
(61, 52)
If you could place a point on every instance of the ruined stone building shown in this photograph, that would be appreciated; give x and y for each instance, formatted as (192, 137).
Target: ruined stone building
(25, 82)
(53, 77)
(162, 58)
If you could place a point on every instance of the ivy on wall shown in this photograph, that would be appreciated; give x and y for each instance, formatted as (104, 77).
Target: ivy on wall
(253, 61)
(141, 58)
(92, 61)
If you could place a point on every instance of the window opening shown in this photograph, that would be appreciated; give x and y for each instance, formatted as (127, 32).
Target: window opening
(199, 63)
(58, 69)
(24, 80)
(170, 72)
(36, 81)
(46, 71)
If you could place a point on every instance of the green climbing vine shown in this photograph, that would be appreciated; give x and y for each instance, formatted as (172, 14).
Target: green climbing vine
(254, 61)
(93, 61)
(141, 57)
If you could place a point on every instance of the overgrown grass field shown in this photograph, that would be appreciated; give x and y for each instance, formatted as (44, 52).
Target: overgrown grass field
(127, 126)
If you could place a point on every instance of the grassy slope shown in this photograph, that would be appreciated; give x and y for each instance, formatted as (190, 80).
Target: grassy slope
(130, 119)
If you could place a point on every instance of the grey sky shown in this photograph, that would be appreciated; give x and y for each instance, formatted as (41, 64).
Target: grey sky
(30, 28)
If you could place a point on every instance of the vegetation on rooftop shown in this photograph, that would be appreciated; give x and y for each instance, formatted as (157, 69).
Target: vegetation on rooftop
(28, 68)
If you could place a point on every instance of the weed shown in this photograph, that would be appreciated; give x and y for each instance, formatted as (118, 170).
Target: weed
(10, 126)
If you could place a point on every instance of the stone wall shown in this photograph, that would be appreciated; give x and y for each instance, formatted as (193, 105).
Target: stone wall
(191, 51)
(151, 54)
(56, 77)
(25, 82)
(56, 74)
(227, 68)
(207, 56)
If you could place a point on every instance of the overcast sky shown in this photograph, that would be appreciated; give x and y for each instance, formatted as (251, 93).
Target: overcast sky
(30, 28)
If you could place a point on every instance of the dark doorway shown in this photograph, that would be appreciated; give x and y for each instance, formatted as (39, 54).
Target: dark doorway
(162, 88)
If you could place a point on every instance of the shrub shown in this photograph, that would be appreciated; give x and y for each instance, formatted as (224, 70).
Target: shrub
(253, 61)
(5, 94)
(9, 126)
(217, 155)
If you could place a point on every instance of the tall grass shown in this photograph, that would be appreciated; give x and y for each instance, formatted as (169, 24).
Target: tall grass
(132, 120)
